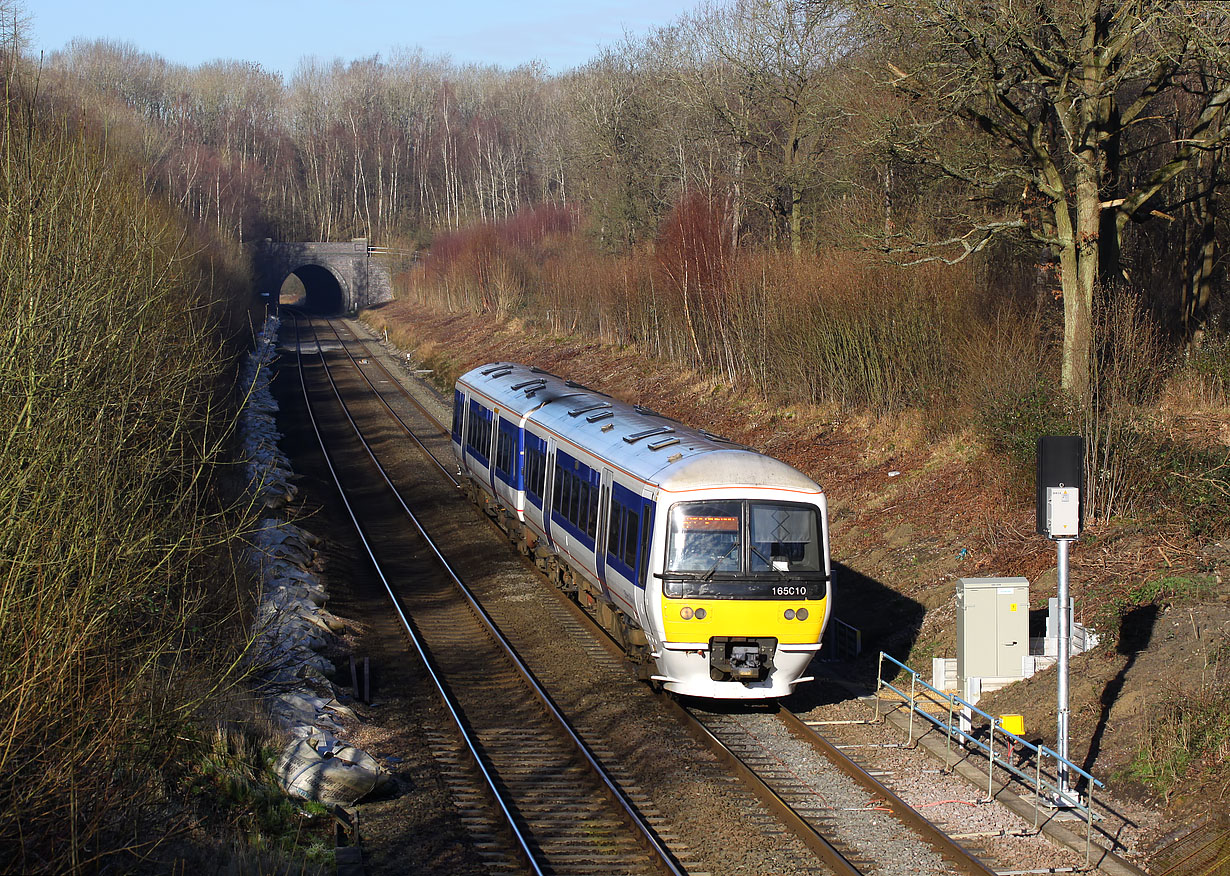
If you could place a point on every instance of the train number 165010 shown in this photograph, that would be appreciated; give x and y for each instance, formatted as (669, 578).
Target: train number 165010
(789, 591)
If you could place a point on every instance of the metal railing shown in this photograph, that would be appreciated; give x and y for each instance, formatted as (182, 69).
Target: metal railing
(1048, 788)
(412, 254)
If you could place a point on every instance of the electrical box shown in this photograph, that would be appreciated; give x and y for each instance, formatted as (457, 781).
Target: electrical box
(1061, 466)
(1063, 515)
(992, 627)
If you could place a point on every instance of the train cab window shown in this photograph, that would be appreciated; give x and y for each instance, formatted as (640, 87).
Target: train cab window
(705, 537)
(783, 538)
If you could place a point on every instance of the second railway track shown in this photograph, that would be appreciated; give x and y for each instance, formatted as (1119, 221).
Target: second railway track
(562, 812)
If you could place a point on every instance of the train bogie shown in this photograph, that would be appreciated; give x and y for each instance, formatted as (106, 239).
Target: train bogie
(707, 561)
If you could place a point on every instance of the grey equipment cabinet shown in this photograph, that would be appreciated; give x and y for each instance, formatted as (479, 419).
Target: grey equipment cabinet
(992, 627)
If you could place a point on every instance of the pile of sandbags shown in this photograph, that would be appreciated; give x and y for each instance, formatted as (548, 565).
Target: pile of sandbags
(292, 626)
(267, 468)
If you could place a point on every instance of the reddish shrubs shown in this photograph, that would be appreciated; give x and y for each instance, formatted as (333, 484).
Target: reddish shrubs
(836, 327)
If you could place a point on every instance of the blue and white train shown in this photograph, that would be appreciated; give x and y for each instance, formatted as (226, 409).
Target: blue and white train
(707, 561)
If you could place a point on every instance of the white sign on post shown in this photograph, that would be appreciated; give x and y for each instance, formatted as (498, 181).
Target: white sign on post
(1063, 512)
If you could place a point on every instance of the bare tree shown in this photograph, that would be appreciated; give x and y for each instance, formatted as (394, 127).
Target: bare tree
(1058, 85)
(764, 68)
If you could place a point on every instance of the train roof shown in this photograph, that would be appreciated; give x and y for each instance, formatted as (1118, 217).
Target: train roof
(646, 444)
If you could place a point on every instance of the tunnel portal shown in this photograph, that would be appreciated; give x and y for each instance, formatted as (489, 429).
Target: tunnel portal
(336, 277)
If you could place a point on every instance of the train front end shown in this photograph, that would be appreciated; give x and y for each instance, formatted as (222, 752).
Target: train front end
(743, 589)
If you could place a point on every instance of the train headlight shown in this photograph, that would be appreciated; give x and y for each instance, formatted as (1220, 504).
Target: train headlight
(790, 614)
(801, 614)
(700, 614)
(686, 612)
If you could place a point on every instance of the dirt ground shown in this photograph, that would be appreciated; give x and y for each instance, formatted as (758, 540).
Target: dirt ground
(911, 513)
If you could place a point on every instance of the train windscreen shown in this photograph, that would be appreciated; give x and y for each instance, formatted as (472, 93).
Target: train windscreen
(744, 549)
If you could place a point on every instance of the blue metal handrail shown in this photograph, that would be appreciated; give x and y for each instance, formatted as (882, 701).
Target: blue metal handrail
(1043, 785)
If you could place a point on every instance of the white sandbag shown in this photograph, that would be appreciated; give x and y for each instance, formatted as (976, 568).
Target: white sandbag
(323, 768)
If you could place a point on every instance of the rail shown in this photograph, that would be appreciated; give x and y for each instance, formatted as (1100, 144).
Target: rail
(524, 845)
(1046, 785)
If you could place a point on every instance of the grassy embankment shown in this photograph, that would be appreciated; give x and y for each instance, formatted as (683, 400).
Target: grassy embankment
(124, 744)
(852, 371)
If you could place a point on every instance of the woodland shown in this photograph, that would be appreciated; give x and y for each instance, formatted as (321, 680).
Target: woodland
(993, 219)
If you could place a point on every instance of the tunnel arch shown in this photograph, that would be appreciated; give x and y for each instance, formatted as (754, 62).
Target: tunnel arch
(325, 290)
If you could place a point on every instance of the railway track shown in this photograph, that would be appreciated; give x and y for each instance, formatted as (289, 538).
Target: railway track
(822, 792)
(546, 804)
(810, 789)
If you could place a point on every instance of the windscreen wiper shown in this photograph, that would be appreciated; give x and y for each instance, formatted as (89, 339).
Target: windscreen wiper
(718, 562)
(769, 562)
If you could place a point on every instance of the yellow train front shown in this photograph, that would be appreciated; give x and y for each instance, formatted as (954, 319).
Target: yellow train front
(740, 591)
(707, 561)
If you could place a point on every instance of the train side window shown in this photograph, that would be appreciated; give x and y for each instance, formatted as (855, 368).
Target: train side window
(535, 466)
(506, 450)
(478, 435)
(458, 411)
(567, 507)
(615, 530)
(630, 538)
(595, 498)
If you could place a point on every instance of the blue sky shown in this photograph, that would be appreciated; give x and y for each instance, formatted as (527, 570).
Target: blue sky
(277, 33)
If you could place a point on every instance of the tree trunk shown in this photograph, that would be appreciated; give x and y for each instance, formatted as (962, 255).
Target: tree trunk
(1079, 257)
(796, 220)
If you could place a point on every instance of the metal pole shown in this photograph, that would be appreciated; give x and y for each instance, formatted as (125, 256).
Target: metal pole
(1065, 639)
(879, 683)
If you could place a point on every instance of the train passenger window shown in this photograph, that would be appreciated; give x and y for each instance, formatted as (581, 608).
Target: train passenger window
(784, 538)
(535, 466)
(630, 538)
(590, 511)
(506, 451)
(705, 537)
(478, 434)
(623, 534)
(614, 532)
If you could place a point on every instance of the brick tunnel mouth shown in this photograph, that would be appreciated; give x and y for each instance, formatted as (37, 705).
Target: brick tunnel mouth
(322, 293)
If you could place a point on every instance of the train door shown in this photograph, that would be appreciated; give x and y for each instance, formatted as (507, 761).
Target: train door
(604, 519)
(548, 493)
(493, 437)
(645, 592)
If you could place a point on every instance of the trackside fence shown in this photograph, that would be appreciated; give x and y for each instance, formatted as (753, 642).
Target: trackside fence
(955, 718)
(841, 641)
